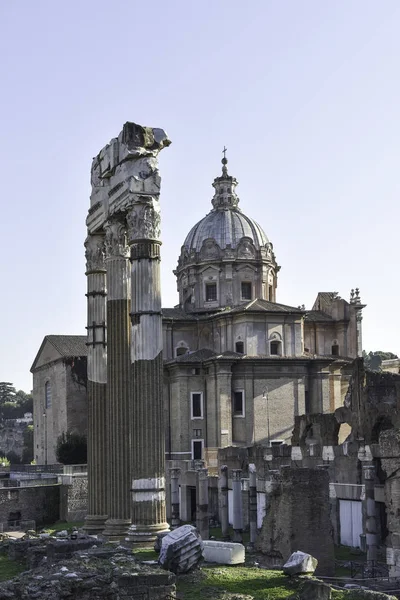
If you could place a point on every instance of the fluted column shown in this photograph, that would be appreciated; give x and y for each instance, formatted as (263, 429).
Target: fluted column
(147, 410)
(118, 379)
(97, 383)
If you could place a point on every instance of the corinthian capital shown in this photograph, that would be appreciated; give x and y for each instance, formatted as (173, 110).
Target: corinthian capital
(115, 242)
(143, 220)
(95, 253)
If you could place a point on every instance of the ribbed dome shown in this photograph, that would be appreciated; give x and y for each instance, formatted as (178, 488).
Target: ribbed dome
(227, 226)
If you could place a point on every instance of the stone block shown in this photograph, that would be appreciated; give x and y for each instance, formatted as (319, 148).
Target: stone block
(300, 562)
(223, 553)
(315, 590)
(181, 550)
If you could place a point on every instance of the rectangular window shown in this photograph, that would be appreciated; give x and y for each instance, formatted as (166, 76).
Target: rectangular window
(197, 449)
(197, 433)
(238, 403)
(211, 292)
(197, 405)
(47, 395)
(246, 290)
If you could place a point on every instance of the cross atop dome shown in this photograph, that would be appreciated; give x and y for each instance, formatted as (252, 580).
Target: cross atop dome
(224, 162)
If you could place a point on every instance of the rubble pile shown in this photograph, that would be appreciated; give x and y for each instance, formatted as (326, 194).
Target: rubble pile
(93, 574)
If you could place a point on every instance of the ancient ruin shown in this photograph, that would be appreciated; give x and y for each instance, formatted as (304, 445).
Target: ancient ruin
(126, 444)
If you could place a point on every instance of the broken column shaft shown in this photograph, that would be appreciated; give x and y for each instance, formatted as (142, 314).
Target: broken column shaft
(96, 386)
(118, 380)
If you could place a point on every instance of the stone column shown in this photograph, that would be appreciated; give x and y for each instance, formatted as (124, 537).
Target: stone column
(175, 520)
(147, 409)
(370, 521)
(253, 504)
(118, 379)
(237, 505)
(97, 384)
(223, 502)
(202, 522)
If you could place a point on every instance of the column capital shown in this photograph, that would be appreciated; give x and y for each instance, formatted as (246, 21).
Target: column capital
(115, 238)
(143, 220)
(95, 253)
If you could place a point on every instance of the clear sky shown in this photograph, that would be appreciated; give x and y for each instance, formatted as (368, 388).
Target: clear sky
(304, 94)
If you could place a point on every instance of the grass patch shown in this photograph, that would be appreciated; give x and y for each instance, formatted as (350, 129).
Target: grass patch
(61, 525)
(213, 582)
(9, 568)
(145, 554)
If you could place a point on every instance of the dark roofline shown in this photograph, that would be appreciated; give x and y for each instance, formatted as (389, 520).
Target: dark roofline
(47, 338)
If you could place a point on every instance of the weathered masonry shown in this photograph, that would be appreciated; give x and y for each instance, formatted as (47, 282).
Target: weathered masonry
(125, 364)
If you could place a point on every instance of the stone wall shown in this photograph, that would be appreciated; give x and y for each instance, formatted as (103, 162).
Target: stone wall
(73, 497)
(68, 410)
(298, 518)
(40, 504)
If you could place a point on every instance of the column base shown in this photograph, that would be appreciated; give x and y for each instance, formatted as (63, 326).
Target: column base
(116, 530)
(145, 535)
(94, 524)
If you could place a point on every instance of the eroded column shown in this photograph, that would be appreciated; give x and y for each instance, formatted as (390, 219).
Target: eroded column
(97, 383)
(370, 520)
(174, 476)
(252, 504)
(237, 505)
(202, 521)
(118, 378)
(223, 502)
(147, 409)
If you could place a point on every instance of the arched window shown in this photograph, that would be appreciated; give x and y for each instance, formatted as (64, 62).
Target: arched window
(239, 347)
(47, 394)
(275, 348)
(335, 348)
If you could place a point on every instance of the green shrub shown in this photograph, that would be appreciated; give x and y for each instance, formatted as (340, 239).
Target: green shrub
(71, 449)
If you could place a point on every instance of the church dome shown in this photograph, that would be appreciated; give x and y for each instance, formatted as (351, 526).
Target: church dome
(226, 227)
(225, 224)
(226, 259)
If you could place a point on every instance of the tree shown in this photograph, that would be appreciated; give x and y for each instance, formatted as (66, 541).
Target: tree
(373, 360)
(7, 392)
(24, 402)
(71, 449)
(27, 451)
